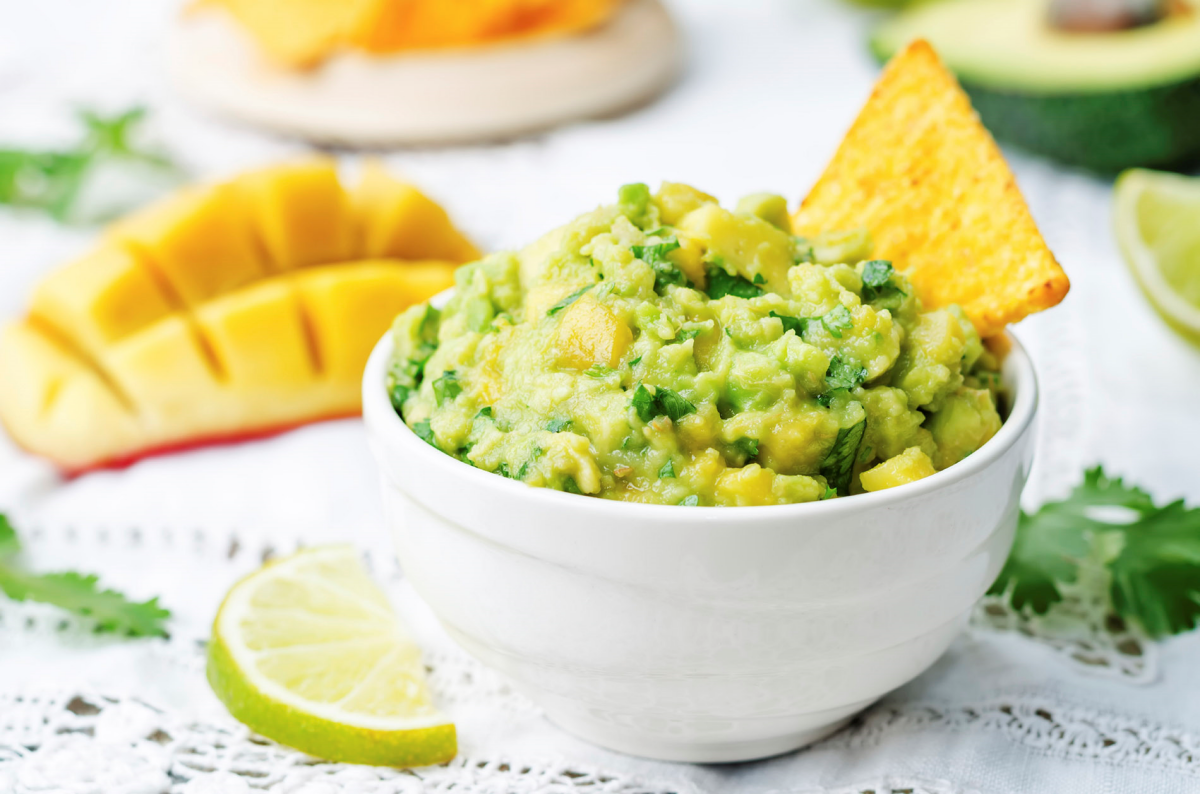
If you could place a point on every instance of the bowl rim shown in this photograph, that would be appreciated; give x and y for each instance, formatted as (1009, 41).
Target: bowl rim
(386, 425)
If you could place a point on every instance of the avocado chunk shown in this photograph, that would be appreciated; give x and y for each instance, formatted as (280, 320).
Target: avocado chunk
(1102, 100)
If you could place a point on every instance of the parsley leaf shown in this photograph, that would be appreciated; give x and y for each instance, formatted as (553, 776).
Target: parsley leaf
(559, 425)
(721, 284)
(667, 471)
(78, 593)
(447, 387)
(567, 301)
(663, 402)
(837, 320)
(838, 466)
(1151, 553)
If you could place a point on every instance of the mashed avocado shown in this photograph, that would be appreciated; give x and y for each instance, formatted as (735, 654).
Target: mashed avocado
(667, 350)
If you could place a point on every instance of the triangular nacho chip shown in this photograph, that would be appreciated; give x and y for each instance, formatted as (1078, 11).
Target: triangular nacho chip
(920, 172)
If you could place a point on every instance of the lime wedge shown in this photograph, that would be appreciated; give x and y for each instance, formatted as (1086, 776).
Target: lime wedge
(1157, 217)
(307, 651)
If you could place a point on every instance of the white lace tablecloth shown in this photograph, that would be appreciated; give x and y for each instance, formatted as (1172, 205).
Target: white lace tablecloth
(1050, 705)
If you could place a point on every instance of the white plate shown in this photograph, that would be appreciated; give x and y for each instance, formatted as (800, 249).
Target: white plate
(490, 92)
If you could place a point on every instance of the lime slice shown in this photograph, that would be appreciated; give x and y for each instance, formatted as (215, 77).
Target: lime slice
(307, 652)
(1157, 218)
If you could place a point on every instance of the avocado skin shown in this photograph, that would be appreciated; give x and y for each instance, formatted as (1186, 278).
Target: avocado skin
(1154, 127)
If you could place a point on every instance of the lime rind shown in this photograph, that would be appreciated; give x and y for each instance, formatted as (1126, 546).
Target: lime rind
(409, 732)
(1140, 254)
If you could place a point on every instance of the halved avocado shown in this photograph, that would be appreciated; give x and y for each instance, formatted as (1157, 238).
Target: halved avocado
(1106, 101)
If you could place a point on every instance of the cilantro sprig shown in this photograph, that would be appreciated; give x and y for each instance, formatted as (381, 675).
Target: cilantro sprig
(1151, 554)
(79, 593)
(662, 402)
(56, 182)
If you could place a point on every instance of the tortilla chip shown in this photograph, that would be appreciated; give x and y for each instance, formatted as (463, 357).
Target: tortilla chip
(920, 172)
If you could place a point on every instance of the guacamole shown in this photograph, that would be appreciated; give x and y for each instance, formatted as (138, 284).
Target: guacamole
(667, 350)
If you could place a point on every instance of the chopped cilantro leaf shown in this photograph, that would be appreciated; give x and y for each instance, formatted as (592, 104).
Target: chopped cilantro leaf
(876, 273)
(663, 402)
(758, 279)
(667, 471)
(665, 271)
(485, 411)
(655, 254)
(570, 486)
(837, 320)
(843, 374)
(559, 425)
(567, 301)
(634, 362)
(503, 471)
(643, 403)
(830, 493)
(794, 324)
(690, 501)
(747, 446)
(424, 432)
(447, 387)
(721, 284)
(537, 453)
(598, 371)
(398, 394)
(838, 466)
(684, 335)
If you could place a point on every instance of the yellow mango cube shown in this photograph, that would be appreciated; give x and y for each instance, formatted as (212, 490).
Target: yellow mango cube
(302, 214)
(100, 299)
(909, 466)
(258, 336)
(200, 240)
(753, 247)
(748, 485)
(351, 306)
(590, 334)
(397, 221)
(168, 375)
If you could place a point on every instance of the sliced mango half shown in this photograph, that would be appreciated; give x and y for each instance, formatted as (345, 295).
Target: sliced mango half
(226, 311)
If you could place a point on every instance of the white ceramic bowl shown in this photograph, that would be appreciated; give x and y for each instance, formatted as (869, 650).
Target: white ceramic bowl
(707, 633)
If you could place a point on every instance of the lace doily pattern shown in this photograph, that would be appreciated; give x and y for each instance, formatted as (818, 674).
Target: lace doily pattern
(1042, 724)
(93, 743)
(891, 785)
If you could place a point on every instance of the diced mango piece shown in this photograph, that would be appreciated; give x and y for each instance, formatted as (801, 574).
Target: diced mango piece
(397, 221)
(745, 486)
(351, 306)
(590, 334)
(302, 214)
(541, 299)
(676, 200)
(258, 336)
(909, 466)
(200, 240)
(747, 243)
(100, 298)
(167, 375)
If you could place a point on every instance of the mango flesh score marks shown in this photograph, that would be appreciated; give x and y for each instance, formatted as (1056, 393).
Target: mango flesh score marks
(224, 311)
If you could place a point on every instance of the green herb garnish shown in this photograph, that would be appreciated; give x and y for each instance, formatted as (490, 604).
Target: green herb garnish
(838, 466)
(663, 402)
(794, 324)
(837, 320)
(876, 278)
(447, 387)
(567, 301)
(747, 446)
(79, 593)
(558, 425)
(721, 284)
(424, 431)
(570, 486)
(690, 501)
(667, 471)
(1151, 554)
(842, 375)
